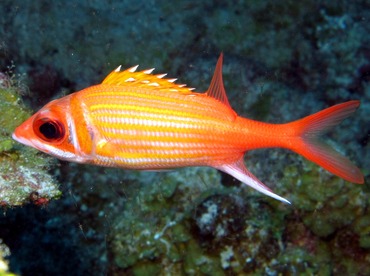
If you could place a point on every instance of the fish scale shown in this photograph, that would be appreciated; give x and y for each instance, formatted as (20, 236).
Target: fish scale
(148, 126)
(191, 138)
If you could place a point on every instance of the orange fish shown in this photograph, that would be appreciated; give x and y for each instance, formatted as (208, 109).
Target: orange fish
(137, 120)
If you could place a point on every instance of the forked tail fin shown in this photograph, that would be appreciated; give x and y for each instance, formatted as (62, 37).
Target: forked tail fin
(307, 144)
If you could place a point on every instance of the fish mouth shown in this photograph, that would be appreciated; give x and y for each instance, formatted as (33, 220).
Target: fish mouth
(22, 140)
(24, 133)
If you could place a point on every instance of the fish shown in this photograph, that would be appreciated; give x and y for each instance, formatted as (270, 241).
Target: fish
(142, 121)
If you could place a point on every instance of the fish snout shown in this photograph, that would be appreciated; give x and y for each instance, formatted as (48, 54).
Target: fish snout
(23, 134)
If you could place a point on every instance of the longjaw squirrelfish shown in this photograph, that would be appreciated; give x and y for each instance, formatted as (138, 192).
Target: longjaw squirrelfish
(138, 120)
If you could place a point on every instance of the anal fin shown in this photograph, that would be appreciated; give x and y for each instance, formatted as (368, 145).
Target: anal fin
(240, 172)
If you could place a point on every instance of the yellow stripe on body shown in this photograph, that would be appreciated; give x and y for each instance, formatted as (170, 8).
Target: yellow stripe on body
(182, 131)
(192, 102)
(157, 130)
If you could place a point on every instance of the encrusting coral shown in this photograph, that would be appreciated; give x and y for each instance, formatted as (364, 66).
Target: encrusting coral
(23, 171)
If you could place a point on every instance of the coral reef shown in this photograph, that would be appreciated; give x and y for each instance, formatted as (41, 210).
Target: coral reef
(327, 203)
(327, 218)
(23, 171)
(164, 234)
(228, 231)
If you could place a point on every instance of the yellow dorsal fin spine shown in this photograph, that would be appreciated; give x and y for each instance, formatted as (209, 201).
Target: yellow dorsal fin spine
(145, 78)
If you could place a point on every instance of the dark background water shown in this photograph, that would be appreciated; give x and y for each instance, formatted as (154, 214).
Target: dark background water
(283, 60)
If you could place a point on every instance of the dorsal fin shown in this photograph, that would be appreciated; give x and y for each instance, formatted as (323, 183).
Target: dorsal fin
(216, 89)
(145, 78)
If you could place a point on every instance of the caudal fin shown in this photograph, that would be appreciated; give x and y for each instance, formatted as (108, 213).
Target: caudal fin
(307, 144)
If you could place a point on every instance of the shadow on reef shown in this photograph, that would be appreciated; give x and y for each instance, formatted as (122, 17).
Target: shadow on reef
(46, 241)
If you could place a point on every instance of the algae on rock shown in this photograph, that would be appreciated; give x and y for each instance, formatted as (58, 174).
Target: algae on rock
(23, 171)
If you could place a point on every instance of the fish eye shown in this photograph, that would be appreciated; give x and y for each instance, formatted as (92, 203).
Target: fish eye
(49, 130)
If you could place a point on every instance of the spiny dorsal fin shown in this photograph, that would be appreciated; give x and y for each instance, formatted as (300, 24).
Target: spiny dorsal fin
(145, 78)
(216, 89)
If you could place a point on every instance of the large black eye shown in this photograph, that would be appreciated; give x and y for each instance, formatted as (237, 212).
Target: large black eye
(49, 130)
